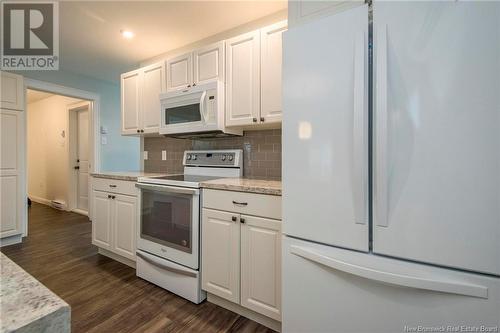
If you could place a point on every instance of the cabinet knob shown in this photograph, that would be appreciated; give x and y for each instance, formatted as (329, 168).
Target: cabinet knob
(262, 119)
(242, 220)
(194, 84)
(142, 131)
(109, 196)
(138, 131)
(234, 218)
(254, 120)
(189, 86)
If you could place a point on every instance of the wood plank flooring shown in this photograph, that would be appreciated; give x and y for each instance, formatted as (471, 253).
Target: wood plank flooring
(105, 295)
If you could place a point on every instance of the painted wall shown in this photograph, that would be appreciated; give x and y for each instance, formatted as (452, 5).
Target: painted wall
(120, 153)
(47, 148)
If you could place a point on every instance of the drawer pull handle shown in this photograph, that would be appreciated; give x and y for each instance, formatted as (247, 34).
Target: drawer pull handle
(112, 186)
(240, 203)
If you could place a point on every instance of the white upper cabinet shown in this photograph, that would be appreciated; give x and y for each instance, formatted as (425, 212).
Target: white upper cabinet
(209, 63)
(303, 11)
(180, 72)
(140, 102)
(130, 83)
(153, 84)
(12, 91)
(243, 79)
(271, 68)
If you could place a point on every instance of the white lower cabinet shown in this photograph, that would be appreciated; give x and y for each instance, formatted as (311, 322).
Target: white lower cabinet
(241, 254)
(261, 265)
(220, 250)
(114, 218)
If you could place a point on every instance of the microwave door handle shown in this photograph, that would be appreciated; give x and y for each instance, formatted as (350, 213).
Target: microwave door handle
(203, 113)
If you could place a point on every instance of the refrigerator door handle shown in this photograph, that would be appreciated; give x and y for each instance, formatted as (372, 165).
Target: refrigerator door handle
(381, 181)
(360, 153)
(440, 285)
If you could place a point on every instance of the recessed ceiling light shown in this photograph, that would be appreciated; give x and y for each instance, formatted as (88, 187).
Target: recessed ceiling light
(127, 34)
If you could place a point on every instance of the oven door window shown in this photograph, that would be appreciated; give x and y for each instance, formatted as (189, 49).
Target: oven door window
(166, 219)
(182, 114)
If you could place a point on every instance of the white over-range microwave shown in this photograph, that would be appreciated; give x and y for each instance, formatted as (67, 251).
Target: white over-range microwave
(196, 111)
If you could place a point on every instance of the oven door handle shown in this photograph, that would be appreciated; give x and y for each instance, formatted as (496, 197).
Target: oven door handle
(165, 264)
(168, 189)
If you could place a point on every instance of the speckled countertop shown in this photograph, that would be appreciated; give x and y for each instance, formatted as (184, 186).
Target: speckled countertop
(125, 175)
(27, 305)
(261, 186)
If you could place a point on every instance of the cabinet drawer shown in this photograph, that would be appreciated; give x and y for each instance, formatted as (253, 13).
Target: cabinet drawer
(114, 186)
(243, 203)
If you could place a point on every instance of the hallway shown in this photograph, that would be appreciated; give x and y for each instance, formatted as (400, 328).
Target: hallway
(105, 295)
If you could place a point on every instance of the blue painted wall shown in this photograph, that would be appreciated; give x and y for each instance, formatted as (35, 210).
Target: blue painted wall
(120, 153)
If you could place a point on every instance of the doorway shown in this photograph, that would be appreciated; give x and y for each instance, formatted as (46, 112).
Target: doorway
(58, 163)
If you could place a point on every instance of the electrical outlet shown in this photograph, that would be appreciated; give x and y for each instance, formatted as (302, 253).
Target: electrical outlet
(145, 155)
(163, 155)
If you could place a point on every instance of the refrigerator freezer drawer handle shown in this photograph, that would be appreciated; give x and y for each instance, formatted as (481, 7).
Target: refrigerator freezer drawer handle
(444, 286)
(164, 264)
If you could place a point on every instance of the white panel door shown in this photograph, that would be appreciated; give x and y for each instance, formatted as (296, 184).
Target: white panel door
(11, 186)
(11, 91)
(124, 221)
(153, 83)
(271, 72)
(83, 159)
(243, 79)
(130, 102)
(437, 133)
(325, 191)
(220, 254)
(209, 63)
(101, 221)
(180, 72)
(261, 265)
(327, 289)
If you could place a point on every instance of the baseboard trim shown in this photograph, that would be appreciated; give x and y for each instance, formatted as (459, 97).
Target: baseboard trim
(11, 240)
(261, 319)
(81, 212)
(46, 202)
(117, 257)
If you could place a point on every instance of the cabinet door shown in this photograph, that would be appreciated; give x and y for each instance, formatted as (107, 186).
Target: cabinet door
(179, 72)
(124, 220)
(101, 221)
(303, 11)
(220, 254)
(11, 91)
(261, 265)
(271, 68)
(153, 83)
(130, 100)
(243, 79)
(12, 196)
(209, 63)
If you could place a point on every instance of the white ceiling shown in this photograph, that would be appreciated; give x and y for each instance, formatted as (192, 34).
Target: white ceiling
(35, 95)
(91, 44)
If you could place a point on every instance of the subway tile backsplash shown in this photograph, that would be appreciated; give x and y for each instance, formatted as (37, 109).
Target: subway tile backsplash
(261, 152)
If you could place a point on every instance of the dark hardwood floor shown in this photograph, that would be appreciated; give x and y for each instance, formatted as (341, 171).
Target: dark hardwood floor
(105, 295)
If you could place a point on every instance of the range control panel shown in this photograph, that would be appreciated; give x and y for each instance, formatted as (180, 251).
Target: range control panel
(214, 158)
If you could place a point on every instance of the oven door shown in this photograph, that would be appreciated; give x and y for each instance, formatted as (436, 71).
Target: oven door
(169, 223)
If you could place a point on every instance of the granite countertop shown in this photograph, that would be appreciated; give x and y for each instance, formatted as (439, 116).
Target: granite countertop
(27, 305)
(125, 175)
(261, 186)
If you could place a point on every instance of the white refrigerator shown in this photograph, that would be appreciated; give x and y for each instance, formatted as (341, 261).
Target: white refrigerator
(391, 169)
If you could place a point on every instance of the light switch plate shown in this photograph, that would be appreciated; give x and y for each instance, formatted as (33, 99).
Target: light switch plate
(145, 155)
(163, 155)
(104, 140)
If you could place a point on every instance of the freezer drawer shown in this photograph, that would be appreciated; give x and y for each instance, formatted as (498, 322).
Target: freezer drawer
(326, 289)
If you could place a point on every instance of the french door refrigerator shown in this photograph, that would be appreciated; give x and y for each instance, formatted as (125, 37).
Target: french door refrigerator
(404, 235)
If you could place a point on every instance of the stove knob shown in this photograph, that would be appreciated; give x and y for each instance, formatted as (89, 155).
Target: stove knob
(223, 157)
(230, 157)
(195, 157)
(188, 157)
